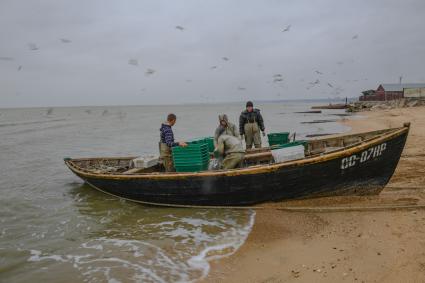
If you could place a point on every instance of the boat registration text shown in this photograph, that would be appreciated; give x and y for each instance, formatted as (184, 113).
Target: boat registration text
(368, 154)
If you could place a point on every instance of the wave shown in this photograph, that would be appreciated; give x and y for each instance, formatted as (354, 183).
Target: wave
(202, 260)
(164, 259)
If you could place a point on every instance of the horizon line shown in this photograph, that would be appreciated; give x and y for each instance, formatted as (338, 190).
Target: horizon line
(181, 104)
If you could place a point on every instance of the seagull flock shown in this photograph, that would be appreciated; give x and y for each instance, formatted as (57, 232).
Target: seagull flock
(276, 78)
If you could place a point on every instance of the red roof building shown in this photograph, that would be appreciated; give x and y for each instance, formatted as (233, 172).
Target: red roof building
(386, 92)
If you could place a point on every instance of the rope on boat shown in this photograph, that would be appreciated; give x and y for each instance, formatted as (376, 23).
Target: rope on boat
(351, 208)
(413, 155)
(404, 188)
(322, 209)
(175, 205)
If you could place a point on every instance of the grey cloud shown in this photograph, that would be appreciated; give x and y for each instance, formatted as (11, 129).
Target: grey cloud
(94, 67)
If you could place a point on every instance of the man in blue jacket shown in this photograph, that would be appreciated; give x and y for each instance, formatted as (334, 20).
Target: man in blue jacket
(167, 142)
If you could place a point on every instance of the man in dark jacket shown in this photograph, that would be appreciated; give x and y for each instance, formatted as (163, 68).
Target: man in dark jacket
(167, 142)
(250, 124)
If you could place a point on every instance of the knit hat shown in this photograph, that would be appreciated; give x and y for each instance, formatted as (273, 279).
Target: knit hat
(249, 104)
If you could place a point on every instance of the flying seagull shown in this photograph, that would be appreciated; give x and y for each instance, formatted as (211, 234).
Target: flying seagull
(330, 85)
(64, 40)
(133, 62)
(287, 28)
(316, 82)
(180, 28)
(225, 59)
(355, 36)
(20, 68)
(277, 76)
(318, 72)
(241, 88)
(32, 46)
(149, 72)
(277, 80)
(213, 67)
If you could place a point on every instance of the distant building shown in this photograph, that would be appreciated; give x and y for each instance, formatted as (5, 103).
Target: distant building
(368, 95)
(414, 92)
(393, 91)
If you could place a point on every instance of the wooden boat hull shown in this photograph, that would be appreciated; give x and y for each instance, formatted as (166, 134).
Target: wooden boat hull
(360, 170)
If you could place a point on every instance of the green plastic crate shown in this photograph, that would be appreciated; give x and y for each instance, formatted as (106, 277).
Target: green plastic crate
(191, 156)
(191, 146)
(209, 141)
(194, 157)
(190, 161)
(278, 138)
(202, 151)
(191, 168)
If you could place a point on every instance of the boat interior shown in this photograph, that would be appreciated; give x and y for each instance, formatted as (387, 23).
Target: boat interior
(253, 157)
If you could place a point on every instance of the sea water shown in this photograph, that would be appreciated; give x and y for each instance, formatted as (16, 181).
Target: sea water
(54, 228)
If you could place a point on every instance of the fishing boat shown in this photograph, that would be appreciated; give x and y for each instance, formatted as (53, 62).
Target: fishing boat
(352, 164)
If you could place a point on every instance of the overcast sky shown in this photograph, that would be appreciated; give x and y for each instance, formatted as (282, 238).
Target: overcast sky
(84, 52)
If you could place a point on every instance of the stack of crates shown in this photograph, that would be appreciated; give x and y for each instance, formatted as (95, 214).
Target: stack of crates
(192, 158)
(278, 138)
(209, 141)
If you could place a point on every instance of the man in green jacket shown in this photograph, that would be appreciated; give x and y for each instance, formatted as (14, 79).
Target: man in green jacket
(230, 147)
(250, 124)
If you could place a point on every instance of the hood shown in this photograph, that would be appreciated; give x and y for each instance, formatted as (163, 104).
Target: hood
(223, 117)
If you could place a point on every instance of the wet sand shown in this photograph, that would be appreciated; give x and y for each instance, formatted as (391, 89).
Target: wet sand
(348, 246)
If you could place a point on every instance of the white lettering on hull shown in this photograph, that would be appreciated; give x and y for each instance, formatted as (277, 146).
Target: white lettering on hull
(370, 153)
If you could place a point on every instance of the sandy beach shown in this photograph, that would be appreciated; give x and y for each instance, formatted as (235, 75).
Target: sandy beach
(347, 246)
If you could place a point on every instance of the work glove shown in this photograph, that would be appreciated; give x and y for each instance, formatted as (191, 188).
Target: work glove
(264, 133)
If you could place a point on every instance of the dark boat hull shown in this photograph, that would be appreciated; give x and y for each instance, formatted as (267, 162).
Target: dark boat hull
(362, 170)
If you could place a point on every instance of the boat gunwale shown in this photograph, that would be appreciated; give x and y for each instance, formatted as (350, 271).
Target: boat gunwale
(258, 169)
